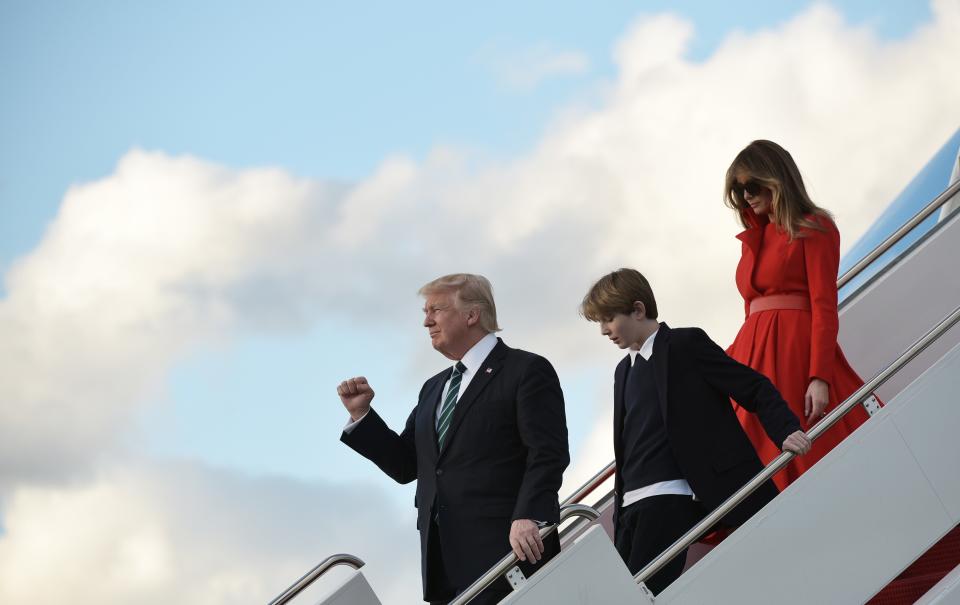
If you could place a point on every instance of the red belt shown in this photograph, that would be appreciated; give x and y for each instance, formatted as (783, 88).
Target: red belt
(798, 302)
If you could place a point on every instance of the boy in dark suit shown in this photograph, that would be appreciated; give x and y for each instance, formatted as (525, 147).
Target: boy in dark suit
(680, 451)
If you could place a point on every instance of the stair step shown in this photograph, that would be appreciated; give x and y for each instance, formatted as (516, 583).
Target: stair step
(905, 591)
(942, 556)
(923, 573)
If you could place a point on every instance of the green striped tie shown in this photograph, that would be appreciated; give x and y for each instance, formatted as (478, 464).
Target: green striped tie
(450, 402)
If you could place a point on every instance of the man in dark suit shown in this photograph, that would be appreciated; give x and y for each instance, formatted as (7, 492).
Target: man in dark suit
(680, 450)
(487, 444)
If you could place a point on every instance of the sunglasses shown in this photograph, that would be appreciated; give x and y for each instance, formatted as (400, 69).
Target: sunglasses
(752, 187)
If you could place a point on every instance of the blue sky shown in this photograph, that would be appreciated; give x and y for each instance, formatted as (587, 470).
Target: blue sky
(149, 320)
(322, 89)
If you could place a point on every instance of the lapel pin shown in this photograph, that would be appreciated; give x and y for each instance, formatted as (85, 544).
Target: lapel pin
(489, 370)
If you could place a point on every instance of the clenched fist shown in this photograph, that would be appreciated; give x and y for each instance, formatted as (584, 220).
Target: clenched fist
(356, 395)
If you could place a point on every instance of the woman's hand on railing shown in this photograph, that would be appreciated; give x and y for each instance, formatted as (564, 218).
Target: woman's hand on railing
(797, 443)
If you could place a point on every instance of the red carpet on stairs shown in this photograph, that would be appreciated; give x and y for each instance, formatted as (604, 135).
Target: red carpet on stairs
(926, 571)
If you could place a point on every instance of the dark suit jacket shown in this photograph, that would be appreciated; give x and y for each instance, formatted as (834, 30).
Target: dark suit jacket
(503, 459)
(695, 380)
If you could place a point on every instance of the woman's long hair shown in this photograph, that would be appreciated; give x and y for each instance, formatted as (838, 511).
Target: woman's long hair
(773, 167)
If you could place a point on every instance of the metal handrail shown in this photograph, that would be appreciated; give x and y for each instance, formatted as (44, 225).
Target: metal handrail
(897, 235)
(780, 461)
(574, 529)
(504, 565)
(311, 576)
(591, 484)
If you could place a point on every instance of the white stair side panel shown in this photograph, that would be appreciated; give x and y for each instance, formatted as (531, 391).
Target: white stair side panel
(927, 429)
(854, 521)
(355, 590)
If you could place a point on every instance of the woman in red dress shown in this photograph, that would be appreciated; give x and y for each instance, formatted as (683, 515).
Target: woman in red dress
(788, 278)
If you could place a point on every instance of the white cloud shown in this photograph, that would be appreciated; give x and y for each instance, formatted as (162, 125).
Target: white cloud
(182, 534)
(526, 69)
(168, 253)
(160, 256)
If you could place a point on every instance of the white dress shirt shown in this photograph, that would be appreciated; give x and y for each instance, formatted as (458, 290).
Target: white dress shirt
(678, 487)
(472, 359)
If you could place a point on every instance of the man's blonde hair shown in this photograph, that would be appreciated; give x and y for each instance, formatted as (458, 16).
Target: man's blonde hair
(471, 291)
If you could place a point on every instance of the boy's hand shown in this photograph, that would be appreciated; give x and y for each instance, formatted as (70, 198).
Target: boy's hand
(797, 442)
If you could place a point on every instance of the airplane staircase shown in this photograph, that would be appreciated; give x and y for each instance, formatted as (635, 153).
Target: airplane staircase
(876, 520)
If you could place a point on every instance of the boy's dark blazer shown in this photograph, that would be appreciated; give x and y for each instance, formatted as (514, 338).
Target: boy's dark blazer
(503, 459)
(695, 380)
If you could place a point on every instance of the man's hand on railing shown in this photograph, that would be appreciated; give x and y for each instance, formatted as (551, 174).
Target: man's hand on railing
(525, 540)
(797, 442)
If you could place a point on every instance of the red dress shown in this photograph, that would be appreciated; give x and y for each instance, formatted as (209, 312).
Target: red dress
(792, 346)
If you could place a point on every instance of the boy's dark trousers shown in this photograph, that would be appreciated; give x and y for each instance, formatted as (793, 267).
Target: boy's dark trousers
(648, 527)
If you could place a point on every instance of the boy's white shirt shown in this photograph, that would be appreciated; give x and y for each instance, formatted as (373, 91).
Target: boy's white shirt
(678, 487)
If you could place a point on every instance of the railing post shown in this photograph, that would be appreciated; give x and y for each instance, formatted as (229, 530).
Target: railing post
(311, 576)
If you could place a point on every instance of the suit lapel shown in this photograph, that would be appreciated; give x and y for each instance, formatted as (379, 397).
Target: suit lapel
(661, 352)
(619, 386)
(487, 371)
(753, 240)
(427, 419)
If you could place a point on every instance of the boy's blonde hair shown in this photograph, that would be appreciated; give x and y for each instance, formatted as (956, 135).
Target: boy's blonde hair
(615, 293)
